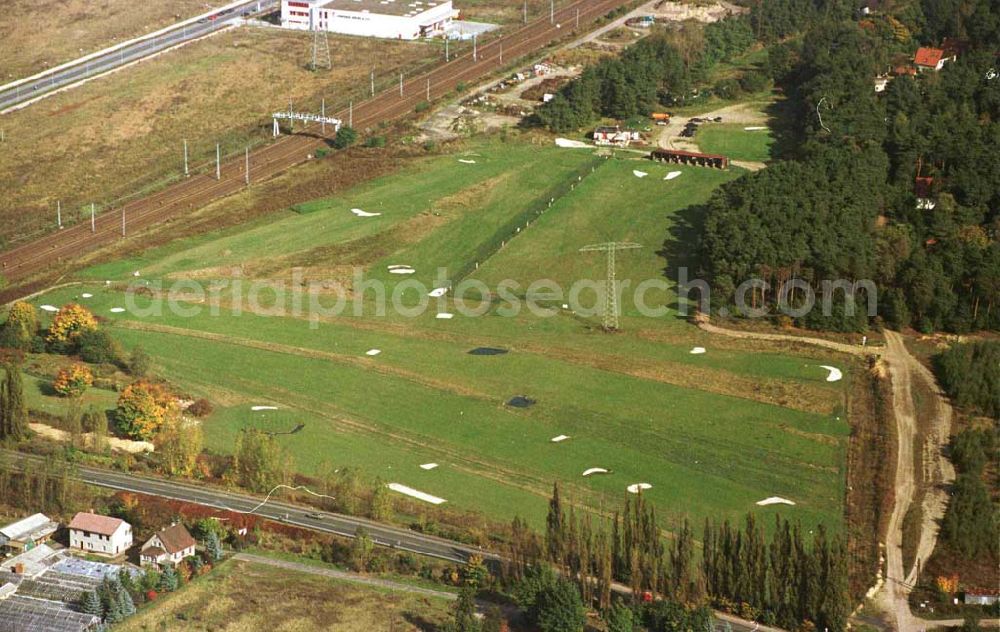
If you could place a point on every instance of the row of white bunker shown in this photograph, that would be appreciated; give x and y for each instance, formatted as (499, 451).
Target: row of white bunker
(394, 19)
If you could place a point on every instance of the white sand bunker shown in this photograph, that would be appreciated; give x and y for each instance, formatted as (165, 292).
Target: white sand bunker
(594, 470)
(117, 310)
(639, 174)
(571, 144)
(559, 438)
(361, 213)
(428, 466)
(438, 291)
(373, 352)
(445, 316)
(671, 175)
(775, 500)
(48, 308)
(401, 269)
(136, 273)
(87, 295)
(263, 408)
(697, 350)
(835, 374)
(755, 128)
(466, 162)
(635, 488)
(409, 491)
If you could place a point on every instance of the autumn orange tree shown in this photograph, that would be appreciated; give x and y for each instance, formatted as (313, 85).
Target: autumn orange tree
(73, 380)
(143, 408)
(71, 321)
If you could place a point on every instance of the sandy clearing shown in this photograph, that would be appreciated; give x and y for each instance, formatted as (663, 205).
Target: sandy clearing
(594, 470)
(835, 374)
(635, 488)
(122, 445)
(413, 493)
(559, 438)
(571, 144)
(428, 466)
(775, 500)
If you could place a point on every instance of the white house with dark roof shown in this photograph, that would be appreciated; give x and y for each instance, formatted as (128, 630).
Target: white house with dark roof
(27, 533)
(104, 535)
(168, 546)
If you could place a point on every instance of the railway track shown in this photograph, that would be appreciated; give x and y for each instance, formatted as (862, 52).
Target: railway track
(50, 252)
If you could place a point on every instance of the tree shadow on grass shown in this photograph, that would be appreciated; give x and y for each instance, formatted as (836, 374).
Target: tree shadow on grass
(681, 250)
(420, 623)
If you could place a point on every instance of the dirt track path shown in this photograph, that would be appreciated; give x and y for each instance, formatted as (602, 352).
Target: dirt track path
(936, 475)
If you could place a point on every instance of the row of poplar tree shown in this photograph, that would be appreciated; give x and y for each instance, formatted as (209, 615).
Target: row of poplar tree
(781, 579)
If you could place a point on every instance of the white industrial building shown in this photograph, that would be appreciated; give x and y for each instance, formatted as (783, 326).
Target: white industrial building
(395, 19)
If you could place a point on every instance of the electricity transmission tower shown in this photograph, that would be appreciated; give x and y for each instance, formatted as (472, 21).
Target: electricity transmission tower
(611, 289)
(320, 51)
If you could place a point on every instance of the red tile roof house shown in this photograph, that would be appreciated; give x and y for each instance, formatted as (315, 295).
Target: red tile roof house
(931, 58)
(99, 534)
(168, 546)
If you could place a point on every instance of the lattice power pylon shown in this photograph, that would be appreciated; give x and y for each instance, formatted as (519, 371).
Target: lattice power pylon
(320, 51)
(611, 289)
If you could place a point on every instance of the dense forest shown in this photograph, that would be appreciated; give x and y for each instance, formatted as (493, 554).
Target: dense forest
(970, 374)
(842, 204)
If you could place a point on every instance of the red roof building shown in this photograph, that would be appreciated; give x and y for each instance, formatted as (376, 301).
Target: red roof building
(930, 58)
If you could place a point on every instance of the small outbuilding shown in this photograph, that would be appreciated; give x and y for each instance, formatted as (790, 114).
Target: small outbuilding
(27, 533)
(690, 158)
(980, 597)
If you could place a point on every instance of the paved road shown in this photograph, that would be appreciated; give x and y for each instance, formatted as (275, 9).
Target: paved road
(127, 54)
(295, 515)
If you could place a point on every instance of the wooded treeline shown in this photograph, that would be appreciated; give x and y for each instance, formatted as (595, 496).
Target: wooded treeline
(783, 580)
(970, 374)
(847, 206)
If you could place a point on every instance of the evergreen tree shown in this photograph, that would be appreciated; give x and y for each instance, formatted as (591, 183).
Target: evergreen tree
(125, 602)
(213, 547)
(13, 407)
(90, 603)
(555, 528)
(168, 580)
(621, 619)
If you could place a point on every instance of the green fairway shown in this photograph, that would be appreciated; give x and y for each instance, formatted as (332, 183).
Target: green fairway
(734, 141)
(712, 433)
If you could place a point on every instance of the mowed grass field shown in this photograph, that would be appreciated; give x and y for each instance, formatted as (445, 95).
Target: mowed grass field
(734, 141)
(712, 433)
(252, 597)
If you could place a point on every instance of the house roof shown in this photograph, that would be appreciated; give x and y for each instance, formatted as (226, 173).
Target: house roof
(922, 186)
(38, 524)
(175, 538)
(153, 552)
(928, 56)
(93, 523)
